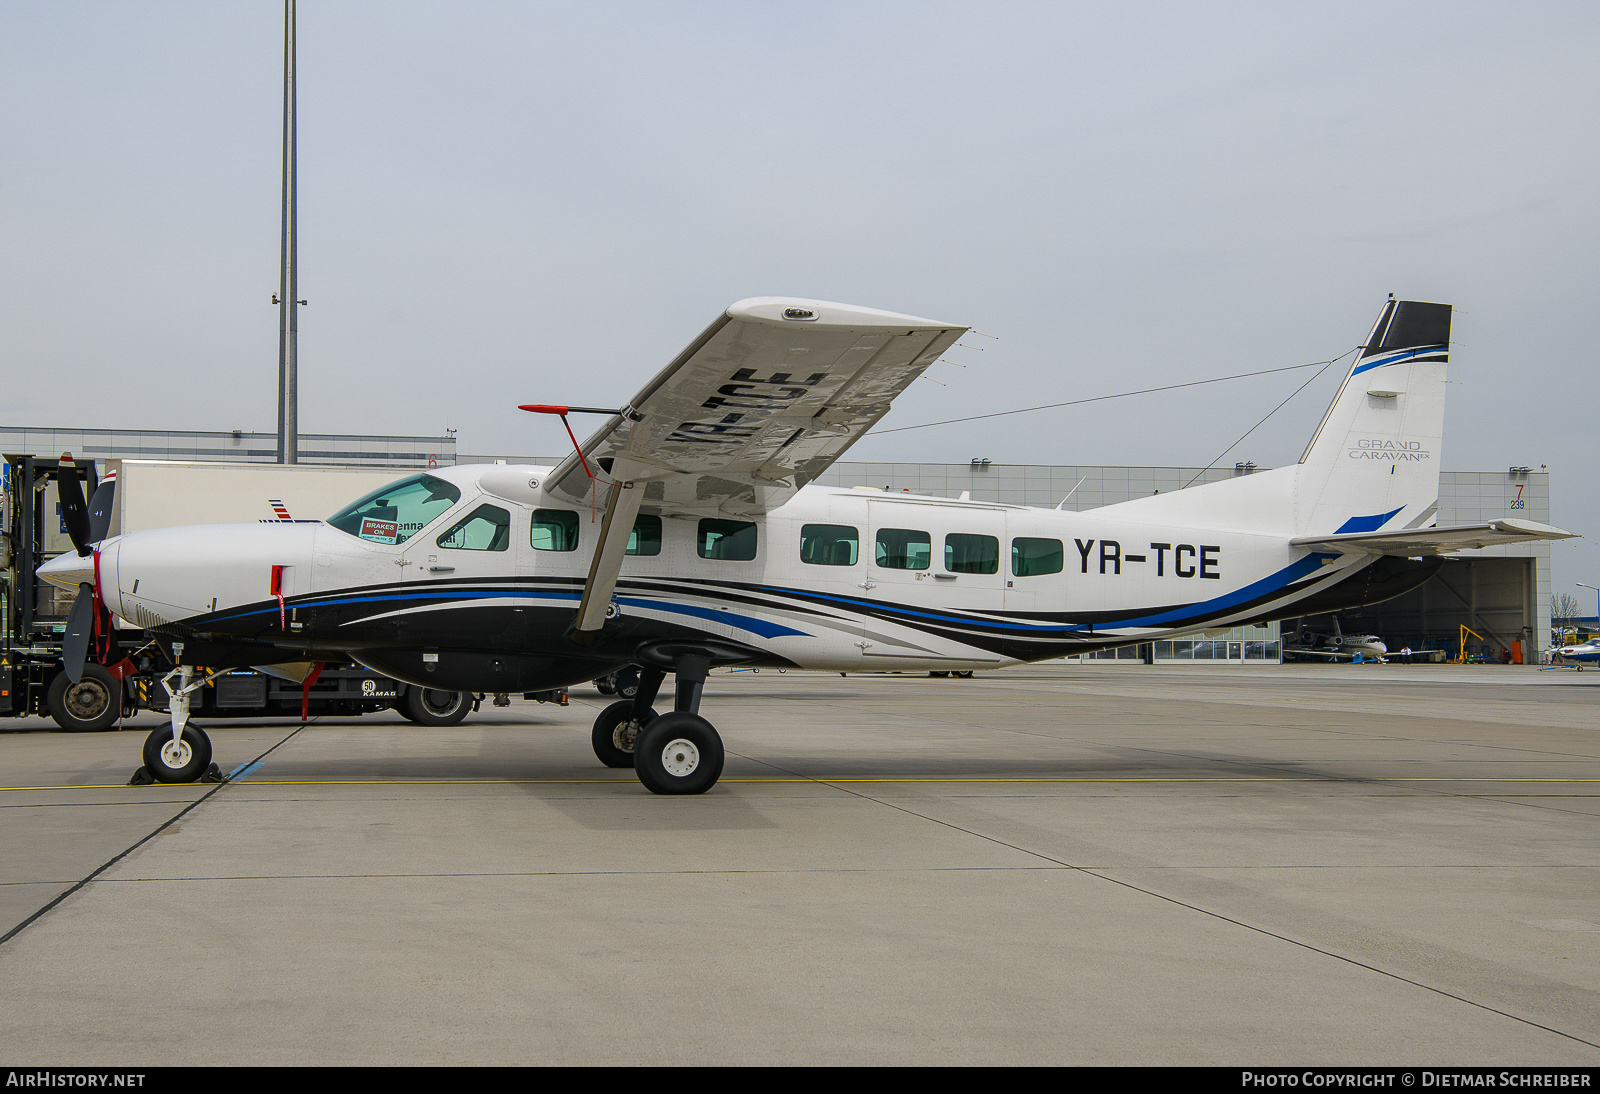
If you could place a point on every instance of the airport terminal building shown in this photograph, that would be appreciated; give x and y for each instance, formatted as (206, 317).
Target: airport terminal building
(1502, 594)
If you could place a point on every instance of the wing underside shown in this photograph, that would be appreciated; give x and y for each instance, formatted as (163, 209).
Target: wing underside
(759, 405)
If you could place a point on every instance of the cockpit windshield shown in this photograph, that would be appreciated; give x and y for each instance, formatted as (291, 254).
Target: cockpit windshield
(398, 511)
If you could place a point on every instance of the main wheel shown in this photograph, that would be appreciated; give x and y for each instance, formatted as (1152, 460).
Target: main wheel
(615, 733)
(93, 703)
(607, 684)
(627, 681)
(427, 707)
(180, 761)
(678, 753)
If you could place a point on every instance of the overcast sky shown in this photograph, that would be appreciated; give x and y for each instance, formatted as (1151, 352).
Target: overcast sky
(504, 203)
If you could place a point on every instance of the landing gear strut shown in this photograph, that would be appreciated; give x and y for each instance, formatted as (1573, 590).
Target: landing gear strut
(674, 753)
(182, 753)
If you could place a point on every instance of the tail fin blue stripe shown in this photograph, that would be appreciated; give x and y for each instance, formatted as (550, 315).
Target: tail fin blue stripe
(1367, 524)
(1397, 358)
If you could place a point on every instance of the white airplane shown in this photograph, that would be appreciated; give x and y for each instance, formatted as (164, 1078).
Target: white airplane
(682, 535)
(1335, 647)
(1580, 654)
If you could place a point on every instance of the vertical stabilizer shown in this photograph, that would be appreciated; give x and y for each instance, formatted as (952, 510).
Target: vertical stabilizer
(1374, 461)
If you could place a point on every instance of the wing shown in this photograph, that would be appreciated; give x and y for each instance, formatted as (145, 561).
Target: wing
(759, 405)
(1332, 655)
(1438, 541)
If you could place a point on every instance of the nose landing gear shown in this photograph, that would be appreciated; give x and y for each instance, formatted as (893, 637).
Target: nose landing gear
(181, 754)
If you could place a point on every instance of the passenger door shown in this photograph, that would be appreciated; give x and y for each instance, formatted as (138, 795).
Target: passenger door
(917, 567)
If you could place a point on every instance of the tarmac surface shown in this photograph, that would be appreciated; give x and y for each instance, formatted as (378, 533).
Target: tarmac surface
(1098, 864)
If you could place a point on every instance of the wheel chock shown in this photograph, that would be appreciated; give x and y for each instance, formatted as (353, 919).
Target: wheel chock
(142, 777)
(213, 775)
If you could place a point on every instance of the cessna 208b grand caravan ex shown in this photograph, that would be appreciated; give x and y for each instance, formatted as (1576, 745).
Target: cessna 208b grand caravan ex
(683, 535)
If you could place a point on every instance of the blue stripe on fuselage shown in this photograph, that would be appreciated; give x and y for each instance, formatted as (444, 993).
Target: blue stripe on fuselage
(1271, 583)
(762, 627)
(766, 629)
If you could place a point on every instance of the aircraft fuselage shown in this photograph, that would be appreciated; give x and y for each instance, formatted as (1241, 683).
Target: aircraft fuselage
(837, 579)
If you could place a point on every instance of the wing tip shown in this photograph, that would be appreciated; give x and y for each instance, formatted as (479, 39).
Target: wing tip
(784, 311)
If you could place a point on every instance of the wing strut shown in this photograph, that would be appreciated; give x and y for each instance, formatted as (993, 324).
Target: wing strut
(622, 507)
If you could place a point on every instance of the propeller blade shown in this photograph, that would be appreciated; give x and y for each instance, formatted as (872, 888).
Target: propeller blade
(74, 513)
(100, 509)
(80, 626)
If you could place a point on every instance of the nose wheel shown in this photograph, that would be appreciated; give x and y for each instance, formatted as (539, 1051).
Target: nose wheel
(180, 760)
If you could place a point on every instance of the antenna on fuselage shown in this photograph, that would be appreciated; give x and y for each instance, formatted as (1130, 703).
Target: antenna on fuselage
(1071, 492)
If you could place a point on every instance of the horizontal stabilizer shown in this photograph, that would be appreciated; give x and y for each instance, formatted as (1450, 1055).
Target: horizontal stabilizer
(1437, 541)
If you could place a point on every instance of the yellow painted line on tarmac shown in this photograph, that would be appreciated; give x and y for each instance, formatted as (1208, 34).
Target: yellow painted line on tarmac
(850, 779)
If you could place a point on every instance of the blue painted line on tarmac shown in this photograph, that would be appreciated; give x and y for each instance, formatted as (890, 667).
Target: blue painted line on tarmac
(243, 771)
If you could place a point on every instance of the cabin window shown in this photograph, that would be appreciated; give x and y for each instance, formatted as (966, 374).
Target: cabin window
(829, 544)
(554, 530)
(965, 553)
(486, 528)
(398, 511)
(903, 549)
(1033, 557)
(727, 540)
(645, 539)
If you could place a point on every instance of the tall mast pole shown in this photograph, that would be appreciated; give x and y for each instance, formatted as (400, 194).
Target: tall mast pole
(288, 284)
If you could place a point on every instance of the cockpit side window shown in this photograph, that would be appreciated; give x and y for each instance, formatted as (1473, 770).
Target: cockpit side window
(398, 511)
(486, 528)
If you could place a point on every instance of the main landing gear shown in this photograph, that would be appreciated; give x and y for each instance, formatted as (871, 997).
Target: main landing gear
(674, 753)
